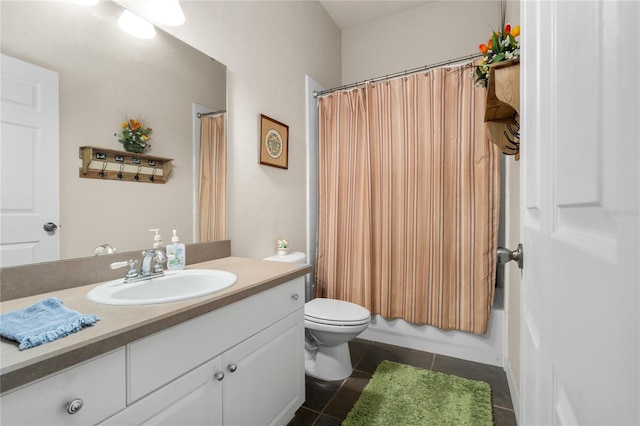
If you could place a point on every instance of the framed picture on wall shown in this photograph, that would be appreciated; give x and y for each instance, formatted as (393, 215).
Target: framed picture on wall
(274, 143)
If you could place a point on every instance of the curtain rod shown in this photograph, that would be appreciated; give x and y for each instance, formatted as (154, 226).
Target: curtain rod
(204, 114)
(398, 74)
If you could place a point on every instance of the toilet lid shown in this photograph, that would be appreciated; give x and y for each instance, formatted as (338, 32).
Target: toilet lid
(332, 311)
(293, 257)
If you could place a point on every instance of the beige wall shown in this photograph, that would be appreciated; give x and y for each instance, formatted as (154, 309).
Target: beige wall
(268, 47)
(428, 34)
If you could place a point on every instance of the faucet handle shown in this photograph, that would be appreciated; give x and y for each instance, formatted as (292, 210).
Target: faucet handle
(131, 273)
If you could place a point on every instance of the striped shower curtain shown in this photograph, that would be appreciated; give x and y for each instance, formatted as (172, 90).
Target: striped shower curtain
(212, 180)
(408, 188)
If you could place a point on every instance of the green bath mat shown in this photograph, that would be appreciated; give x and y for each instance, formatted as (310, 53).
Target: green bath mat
(402, 395)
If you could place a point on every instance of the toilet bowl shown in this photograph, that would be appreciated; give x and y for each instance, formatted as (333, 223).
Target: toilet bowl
(330, 325)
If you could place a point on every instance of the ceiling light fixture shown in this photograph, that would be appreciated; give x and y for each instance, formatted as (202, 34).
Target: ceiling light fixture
(136, 26)
(167, 12)
(85, 2)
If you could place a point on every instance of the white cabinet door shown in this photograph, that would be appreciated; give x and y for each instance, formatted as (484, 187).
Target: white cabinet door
(192, 399)
(264, 382)
(97, 387)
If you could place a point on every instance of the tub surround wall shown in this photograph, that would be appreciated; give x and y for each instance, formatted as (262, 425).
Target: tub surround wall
(28, 280)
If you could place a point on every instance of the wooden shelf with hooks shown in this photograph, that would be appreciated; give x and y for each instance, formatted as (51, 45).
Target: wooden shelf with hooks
(503, 104)
(110, 164)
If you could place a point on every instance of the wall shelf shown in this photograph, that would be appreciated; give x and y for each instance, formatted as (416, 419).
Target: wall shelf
(109, 164)
(503, 105)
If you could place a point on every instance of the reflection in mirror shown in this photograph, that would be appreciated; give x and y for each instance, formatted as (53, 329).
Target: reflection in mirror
(106, 75)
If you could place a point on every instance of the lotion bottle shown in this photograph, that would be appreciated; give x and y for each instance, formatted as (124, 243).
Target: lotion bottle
(157, 239)
(175, 254)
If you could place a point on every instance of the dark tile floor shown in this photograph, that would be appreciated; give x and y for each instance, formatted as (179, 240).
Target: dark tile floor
(327, 403)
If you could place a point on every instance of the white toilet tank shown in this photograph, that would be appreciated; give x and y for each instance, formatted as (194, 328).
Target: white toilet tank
(296, 257)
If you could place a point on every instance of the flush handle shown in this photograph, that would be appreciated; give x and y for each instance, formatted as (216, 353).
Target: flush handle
(506, 256)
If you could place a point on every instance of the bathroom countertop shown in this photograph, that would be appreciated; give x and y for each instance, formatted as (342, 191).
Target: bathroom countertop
(120, 325)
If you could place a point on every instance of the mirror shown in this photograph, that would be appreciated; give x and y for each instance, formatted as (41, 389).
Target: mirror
(106, 75)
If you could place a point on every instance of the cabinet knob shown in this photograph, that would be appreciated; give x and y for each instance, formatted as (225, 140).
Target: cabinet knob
(232, 368)
(74, 406)
(295, 296)
(219, 375)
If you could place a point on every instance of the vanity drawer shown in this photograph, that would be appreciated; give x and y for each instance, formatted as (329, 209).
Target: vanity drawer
(99, 384)
(164, 356)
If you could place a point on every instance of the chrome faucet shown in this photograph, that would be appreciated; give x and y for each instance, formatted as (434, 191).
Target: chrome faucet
(147, 257)
(104, 249)
(146, 271)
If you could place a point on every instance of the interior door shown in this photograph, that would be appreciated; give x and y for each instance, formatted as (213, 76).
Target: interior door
(29, 181)
(580, 213)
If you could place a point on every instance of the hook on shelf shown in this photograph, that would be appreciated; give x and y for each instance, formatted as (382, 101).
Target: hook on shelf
(513, 133)
(137, 176)
(120, 172)
(153, 173)
(104, 166)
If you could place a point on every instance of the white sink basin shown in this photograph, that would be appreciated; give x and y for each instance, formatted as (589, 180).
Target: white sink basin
(170, 287)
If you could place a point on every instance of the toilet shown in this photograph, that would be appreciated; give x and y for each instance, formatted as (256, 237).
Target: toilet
(330, 325)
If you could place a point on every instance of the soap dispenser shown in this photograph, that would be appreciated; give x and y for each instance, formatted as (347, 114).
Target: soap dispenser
(175, 254)
(157, 239)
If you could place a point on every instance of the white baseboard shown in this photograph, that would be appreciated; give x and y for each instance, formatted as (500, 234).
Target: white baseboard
(513, 390)
(487, 348)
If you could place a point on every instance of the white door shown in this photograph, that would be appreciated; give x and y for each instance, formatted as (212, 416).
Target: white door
(580, 213)
(29, 181)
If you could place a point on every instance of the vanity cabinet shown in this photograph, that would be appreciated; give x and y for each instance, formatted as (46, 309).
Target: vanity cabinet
(81, 395)
(241, 364)
(260, 381)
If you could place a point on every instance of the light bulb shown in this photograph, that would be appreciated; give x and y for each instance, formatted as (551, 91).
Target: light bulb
(85, 2)
(167, 12)
(136, 26)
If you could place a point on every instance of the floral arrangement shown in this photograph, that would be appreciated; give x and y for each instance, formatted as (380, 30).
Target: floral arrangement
(502, 46)
(134, 135)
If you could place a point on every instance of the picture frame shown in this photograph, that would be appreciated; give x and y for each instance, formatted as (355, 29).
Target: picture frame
(274, 143)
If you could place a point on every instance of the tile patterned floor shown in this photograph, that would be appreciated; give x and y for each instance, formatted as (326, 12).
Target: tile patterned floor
(327, 403)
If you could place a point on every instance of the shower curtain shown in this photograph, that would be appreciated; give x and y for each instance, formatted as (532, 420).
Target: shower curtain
(212, 180)
(408, 200)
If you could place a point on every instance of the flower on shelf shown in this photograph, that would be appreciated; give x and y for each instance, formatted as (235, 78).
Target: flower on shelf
(502, 46)
(134, 135)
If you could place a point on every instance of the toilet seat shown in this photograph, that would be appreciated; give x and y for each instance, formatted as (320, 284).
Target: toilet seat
(335, 312)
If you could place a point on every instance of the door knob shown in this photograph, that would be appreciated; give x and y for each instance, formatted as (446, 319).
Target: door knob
(506, 256)
(50, 227)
